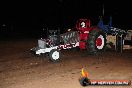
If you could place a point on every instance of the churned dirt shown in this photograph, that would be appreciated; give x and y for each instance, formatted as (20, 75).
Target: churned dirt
(21, 69)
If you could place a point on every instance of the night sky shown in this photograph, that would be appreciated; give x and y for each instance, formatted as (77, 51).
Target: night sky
(19, 18)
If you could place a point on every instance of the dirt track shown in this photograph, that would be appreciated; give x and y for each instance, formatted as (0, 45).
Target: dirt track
(20, 69)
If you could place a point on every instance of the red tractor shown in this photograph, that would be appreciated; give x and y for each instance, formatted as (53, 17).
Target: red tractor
(85, 37)
(91, 38)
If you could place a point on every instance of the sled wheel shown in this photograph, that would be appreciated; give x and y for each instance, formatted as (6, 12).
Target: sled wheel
(96, 41)
(54, 55)
(84, 81)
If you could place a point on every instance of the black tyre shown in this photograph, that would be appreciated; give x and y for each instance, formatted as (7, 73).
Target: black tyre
(54, 55)
(96, 41)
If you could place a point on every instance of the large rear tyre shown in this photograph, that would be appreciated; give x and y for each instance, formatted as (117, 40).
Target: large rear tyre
(96, 41)
(54, 55)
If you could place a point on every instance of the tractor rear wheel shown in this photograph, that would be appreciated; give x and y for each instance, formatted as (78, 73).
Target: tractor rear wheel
(96, 41)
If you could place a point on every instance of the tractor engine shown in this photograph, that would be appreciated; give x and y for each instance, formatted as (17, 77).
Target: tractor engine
(51, 40)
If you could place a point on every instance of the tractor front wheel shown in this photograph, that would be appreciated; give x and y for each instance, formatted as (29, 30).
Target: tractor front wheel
(54, 55)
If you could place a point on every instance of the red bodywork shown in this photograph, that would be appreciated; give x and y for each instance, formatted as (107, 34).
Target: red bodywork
(83, 26)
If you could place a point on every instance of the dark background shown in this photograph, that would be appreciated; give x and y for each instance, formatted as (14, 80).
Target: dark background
(27, 19)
